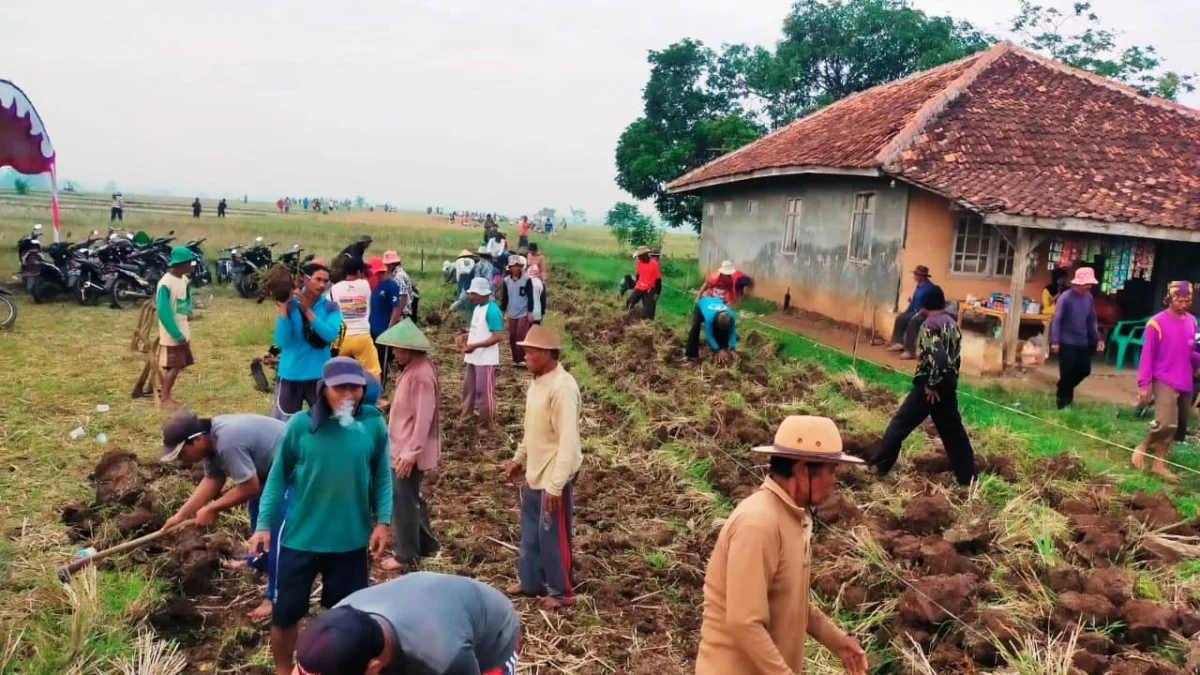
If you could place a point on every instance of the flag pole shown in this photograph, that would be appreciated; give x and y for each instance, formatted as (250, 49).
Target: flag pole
(54, 200)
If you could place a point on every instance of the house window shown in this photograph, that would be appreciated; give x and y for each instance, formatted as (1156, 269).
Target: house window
(711, 208)
(980, 250)
(861, 226)
(751, 207)
(791, 225)
(729, 208)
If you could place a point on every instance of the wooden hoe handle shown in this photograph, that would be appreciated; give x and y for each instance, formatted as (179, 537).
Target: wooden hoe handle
(65, 572)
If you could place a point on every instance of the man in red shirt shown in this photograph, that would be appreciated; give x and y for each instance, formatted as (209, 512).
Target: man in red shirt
(649, 283)
(726, 283)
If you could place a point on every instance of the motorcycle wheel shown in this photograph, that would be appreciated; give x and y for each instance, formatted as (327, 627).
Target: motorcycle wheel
(43, 291)
(8, 310)
(121, 290)
(84, 292)
(247, 285)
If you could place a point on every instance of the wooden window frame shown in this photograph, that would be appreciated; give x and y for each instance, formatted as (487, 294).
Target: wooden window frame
(794, 224)
(868, 229)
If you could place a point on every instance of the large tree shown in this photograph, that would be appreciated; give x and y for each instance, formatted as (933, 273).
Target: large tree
(1077, 38)
(686, 122)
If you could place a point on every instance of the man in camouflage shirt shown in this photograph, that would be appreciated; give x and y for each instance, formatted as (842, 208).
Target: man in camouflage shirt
(934, 394)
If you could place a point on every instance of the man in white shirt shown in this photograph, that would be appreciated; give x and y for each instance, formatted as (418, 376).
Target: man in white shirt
(353, 296)
(481, 352)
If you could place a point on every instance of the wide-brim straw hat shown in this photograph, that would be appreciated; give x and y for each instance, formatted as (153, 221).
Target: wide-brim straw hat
(405, 335)
(641, 250)
(483, 250)
(1085, 276)
(464, 254)
(727, 268)
(541, 337)
(808, 439)
(516, 261)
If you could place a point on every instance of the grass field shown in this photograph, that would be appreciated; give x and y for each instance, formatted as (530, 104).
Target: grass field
(61, 361)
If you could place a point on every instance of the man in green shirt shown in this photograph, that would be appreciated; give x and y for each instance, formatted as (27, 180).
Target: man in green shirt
(173, 303)
(334, 461)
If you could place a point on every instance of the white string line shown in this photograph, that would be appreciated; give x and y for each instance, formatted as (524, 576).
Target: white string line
(967, 394)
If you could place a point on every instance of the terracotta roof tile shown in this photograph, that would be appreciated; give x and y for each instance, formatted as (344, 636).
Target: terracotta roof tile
(821, 139)
(1005, 130)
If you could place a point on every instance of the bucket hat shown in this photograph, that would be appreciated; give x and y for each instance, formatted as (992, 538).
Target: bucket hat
(480, 286)
(181, 255)
(1085, 276)
(343, 370)
(391, 258)
(727, 268)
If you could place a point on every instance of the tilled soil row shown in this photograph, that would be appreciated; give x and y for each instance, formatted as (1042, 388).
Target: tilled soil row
(973, 576)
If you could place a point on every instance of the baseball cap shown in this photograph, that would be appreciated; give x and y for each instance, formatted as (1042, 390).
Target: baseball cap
(340, 641)
(343, 370)
(179, 428)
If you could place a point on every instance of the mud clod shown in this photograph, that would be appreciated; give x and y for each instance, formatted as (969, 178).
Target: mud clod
(929, 514)
(955, 593)
(1074, 607)
(1148, 624)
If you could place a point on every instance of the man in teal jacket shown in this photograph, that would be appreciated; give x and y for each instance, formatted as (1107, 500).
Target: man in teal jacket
(720, 329)
(307, 324)
(333, 461)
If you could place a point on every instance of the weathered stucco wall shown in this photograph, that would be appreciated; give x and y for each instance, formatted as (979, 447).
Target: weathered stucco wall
(819, 275)
(931, 225)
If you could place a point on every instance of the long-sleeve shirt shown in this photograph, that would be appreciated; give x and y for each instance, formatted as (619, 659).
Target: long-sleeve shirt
(340, 481)
(1074, 320)
(939, 348)
(173, 304)
(709, 309)
(757, 608)
(299, 360)
(550, 450)
(919, 292)
(1169, 351)
(413, 427)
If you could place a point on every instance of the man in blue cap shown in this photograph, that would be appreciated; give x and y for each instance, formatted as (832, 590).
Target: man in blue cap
(173, 303)
(335, 458)
(418, 623)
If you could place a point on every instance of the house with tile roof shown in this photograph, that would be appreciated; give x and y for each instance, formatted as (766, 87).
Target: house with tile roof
(991, 171)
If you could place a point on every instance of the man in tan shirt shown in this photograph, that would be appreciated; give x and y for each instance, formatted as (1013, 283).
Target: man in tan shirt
(551, 454)
(757, 609)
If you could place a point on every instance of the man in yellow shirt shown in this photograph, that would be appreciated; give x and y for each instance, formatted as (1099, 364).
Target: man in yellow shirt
(551, 454)
(757, 605)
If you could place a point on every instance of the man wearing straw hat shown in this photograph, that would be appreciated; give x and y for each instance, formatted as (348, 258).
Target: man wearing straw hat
(726, 284)
(414, 436)
(464, 263)
(1074, 334)
(648, 284)
(1169, 360)
(550, 453)
(757, 605)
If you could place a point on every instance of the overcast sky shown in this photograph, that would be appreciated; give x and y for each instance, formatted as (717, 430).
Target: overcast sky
(503, 106)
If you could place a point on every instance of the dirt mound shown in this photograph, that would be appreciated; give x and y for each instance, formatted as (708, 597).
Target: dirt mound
(1159, 513)
(1148, 624)
(1073, 608)
(178, 617)
(118, 479)
(927, 514)
(81, 521)
(1113, 583)
(997, 465)
(932, 599)
(1063, 466)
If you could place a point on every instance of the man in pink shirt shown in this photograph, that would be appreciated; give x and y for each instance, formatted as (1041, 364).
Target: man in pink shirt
(415, 439)
(1169, 359)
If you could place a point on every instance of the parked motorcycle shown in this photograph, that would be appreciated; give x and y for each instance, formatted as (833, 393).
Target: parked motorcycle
(201, 275)
(254, 261)
(52, 270)
(29, 241)
(225, 264)
(128, 286)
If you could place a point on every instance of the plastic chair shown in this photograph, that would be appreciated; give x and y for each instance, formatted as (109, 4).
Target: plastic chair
(1124, 334)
